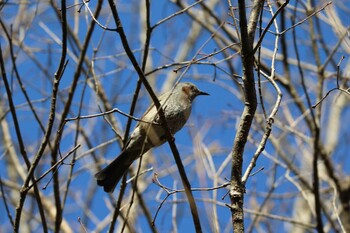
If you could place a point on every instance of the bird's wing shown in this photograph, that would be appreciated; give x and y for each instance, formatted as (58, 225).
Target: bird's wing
(150, 114)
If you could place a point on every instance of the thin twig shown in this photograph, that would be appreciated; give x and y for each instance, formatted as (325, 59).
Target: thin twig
(315, 128)
(94, 19)
(307, 18)
(176, 13)
(272, 20)
(336, 211)
(171, 190)
(107, 113)
(82, 225)
(5, 203)
(346, 91)
(59, 162)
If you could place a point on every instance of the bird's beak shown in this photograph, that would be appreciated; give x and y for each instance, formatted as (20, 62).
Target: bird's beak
(202, 93)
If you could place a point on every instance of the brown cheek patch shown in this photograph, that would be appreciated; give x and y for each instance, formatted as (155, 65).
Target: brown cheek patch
(186, 89)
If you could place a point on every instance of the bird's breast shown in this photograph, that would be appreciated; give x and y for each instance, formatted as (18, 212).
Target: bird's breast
(176, 114)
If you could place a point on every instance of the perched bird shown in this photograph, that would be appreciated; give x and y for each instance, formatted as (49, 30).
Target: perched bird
(148, 133)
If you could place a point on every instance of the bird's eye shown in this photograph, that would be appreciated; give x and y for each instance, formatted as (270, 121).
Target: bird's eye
(192, 88)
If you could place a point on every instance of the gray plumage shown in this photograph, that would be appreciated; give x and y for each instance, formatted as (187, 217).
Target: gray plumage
(177, 109)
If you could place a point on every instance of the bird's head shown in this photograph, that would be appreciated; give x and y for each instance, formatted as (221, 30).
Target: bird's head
(190, 90)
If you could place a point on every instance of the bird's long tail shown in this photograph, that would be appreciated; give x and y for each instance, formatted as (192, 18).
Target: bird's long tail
(110, 176)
